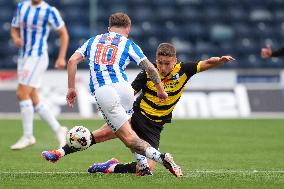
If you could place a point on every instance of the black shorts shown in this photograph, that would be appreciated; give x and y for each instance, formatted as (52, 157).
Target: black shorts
(146, 129)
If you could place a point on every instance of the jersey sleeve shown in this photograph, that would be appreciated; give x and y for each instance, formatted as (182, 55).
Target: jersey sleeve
(83, 49)
(16, 19)
(136, 54)
(139, 82)
(277, 53)
(191, 68)
(55, 19)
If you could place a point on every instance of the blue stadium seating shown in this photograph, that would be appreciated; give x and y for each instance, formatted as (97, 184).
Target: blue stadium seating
(198, 28)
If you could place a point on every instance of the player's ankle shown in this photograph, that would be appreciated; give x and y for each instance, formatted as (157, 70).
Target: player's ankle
(61, 152)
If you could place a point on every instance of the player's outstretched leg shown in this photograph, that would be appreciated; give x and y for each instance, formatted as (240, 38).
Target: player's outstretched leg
(132, 141)
(169, 163)
(165, 159)
(144, 172)
(106, 167)
(143, 168)
(109, 167)
(52, 156)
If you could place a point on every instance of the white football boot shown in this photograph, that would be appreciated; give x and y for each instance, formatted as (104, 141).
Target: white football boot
(61, 136)
(169, 163)
(24, 142)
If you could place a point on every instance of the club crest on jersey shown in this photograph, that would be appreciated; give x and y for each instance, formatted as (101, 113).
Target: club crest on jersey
(176, 76)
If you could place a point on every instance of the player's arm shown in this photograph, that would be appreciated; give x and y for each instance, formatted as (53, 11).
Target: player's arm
(267, 52)
(154, 76)
(16, 37)
(75, 59)
(64, 40)
(15, 28)
(213, 62)
(137, 55)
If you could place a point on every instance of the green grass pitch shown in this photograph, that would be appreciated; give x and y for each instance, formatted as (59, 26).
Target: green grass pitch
(212, 153)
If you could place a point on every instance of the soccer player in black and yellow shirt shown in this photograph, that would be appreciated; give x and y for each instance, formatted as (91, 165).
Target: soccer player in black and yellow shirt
(150, 114)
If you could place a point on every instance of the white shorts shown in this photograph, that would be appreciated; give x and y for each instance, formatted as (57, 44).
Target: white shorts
(115, 101)
(31, 70)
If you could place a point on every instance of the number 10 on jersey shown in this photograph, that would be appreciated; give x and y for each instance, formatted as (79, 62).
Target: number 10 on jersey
(106, 54)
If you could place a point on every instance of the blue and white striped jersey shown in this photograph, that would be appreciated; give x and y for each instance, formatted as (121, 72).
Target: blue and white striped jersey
(35, 22)
(108, 54)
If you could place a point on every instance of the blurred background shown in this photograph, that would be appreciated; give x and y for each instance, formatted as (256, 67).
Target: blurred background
(199, 29)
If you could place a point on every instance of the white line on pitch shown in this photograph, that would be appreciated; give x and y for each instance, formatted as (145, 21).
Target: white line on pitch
(235, 171)
(189, 172)
(46, 172)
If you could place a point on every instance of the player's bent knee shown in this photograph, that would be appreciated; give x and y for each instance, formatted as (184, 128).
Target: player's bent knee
(21, 94)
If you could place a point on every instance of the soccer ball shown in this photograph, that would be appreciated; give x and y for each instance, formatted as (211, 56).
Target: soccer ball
(79, 138)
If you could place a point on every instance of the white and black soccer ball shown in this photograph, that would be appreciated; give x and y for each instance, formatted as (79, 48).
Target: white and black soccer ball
(79, 138)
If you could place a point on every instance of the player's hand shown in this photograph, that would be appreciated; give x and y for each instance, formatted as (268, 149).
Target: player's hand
(220, 60)
(266, 52)
(60, 63)
(71, 97)
(18, 42)
(162, 95)
(225, 59)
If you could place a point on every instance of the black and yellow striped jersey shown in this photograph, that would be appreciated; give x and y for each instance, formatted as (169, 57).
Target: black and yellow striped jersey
(149, 105)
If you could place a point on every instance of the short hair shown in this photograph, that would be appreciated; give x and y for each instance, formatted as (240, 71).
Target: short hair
(119, 19)
(166, 49)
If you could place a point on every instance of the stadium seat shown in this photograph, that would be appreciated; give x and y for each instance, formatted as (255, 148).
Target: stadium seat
(6, 14)
(195, 31)
(79, 31)
(165, 13)
(221, 33)
(238, 14)
(279, 15)
(140, 14)
(189, 14)
(260, 15)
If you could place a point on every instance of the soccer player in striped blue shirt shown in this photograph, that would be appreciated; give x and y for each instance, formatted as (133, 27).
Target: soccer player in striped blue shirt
(108, 54)
(30, 29)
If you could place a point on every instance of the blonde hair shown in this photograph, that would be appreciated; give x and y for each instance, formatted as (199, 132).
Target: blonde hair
(119, 19)
(166, 49)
